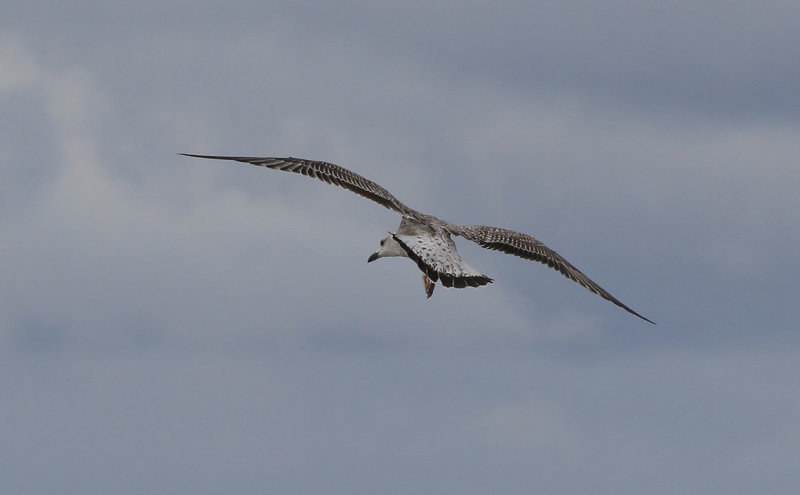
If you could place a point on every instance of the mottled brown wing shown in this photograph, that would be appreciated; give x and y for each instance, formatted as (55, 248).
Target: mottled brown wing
(326, 172)
(527, 247)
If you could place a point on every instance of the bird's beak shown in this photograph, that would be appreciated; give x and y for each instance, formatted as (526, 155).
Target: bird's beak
(372, 257)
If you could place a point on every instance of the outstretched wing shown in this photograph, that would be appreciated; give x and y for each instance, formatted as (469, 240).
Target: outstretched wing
(435, 254)
(327, 172)
(527, 247)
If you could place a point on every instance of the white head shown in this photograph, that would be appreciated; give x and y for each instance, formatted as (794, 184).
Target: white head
(389, 247)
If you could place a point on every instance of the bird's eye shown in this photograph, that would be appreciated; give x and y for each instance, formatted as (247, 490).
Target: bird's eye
(383, 241)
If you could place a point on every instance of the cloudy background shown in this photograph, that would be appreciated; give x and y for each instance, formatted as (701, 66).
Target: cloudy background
(179, 326)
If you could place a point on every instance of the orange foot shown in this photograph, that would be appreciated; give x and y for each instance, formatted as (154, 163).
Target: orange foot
(429, 285)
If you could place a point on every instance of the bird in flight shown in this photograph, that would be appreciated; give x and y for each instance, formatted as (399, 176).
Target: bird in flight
(426, 239)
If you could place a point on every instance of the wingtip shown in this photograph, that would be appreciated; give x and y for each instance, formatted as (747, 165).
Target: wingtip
(646, 319)
(629, 310)
(198, 156)
(246, 159)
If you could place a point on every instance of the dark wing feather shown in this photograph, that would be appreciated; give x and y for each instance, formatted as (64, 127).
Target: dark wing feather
(326, 172)
(527, 247)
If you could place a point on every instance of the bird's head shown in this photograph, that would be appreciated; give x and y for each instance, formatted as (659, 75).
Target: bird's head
(389, 247)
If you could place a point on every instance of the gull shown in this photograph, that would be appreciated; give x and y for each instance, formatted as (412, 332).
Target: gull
(425, 239)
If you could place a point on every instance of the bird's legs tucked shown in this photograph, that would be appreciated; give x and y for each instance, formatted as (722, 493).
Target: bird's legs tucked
(429, 285)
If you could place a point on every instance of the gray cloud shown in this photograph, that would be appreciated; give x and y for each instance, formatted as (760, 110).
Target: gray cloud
(217, 326)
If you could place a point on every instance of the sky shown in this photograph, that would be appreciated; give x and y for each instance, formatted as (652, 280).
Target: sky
(171, 325)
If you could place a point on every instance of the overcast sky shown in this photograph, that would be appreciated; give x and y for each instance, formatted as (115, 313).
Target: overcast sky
(180, 326)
